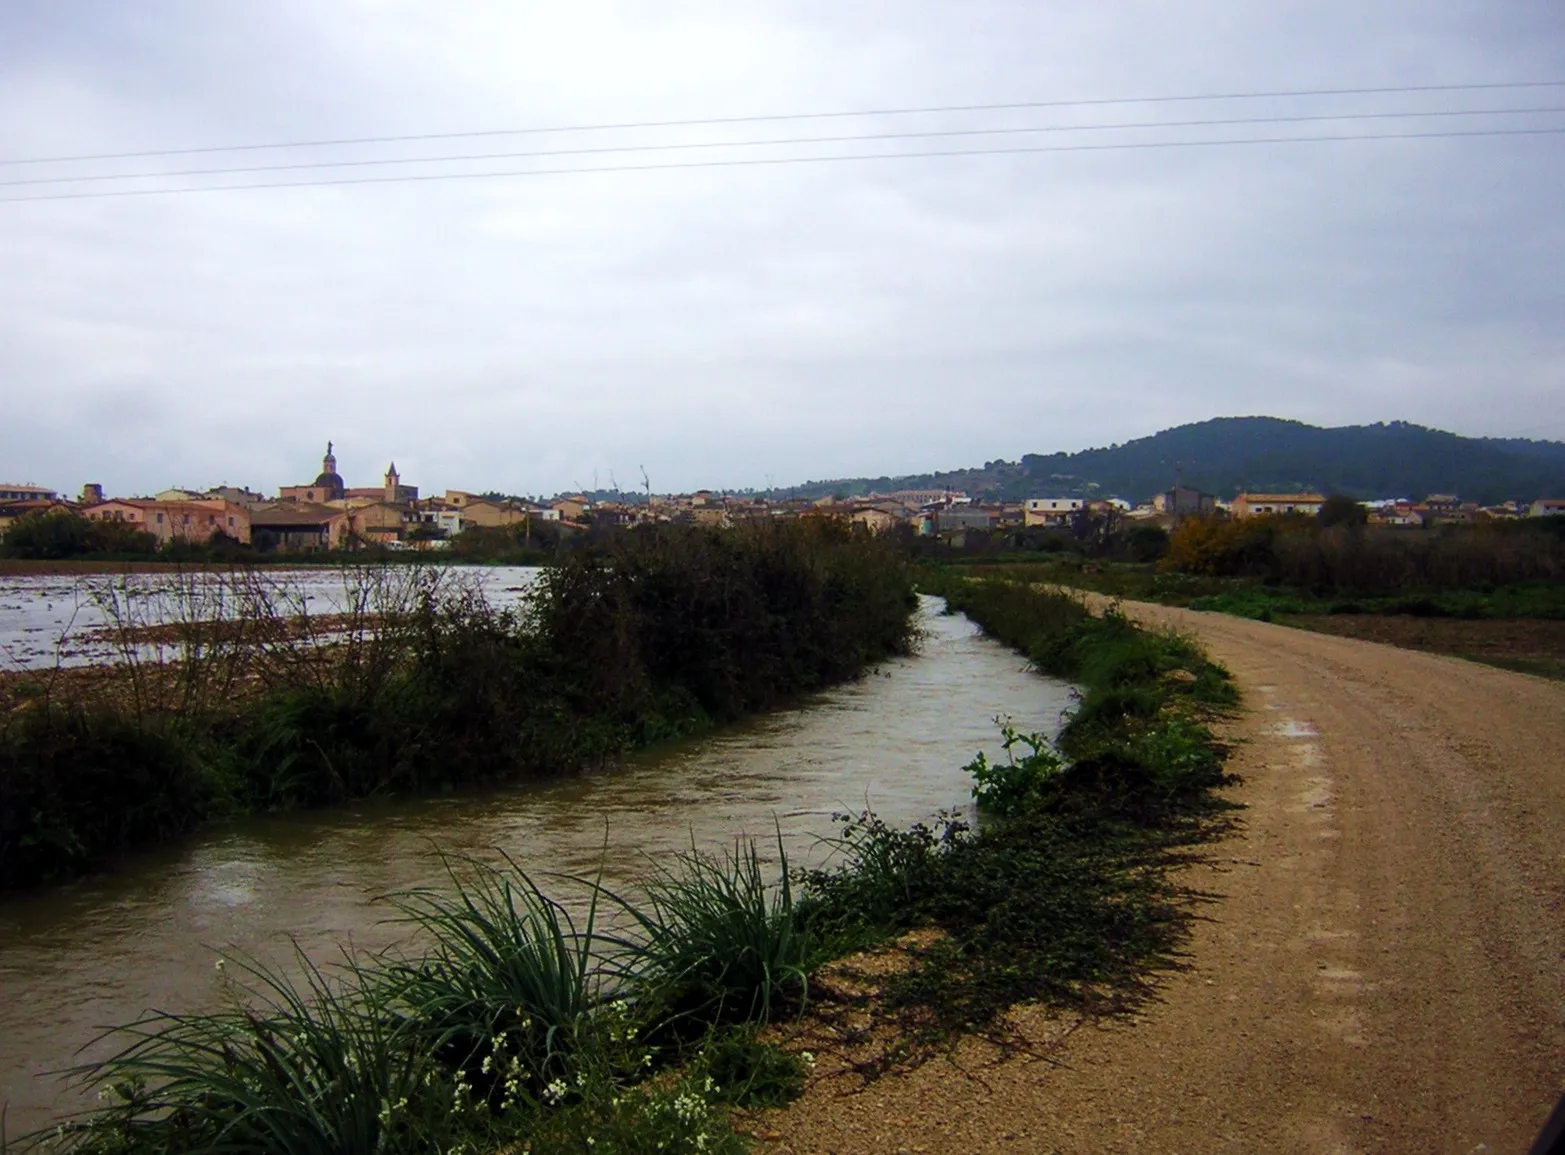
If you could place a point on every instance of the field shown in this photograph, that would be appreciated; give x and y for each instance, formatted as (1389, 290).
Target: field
(1517, 626)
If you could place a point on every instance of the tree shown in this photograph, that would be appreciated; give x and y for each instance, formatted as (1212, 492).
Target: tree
(55, 534)
(1339, 509)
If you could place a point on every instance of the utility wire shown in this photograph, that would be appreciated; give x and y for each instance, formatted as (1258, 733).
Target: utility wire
(798, 140)
(751, 162)
(1404, 89)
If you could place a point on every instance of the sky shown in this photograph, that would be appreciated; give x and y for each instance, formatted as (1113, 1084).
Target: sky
(746, 325)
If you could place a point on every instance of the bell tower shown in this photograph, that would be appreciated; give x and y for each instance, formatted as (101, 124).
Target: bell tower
(393, 485)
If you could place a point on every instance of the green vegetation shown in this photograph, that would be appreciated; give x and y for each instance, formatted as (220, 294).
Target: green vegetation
(1267, 454)
(516, 1027)
(56, 534)
(423, 687)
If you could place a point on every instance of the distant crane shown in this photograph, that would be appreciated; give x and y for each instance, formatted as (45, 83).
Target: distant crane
(646, 483)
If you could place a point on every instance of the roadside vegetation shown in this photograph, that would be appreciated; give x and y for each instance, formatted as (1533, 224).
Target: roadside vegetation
(1467, 590)
(422, 686)
(589, 1021)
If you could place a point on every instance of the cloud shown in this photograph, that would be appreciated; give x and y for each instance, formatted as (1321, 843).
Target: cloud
(726, 326)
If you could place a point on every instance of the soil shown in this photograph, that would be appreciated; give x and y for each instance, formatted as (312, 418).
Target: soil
(1382, 967)
(1531, 645)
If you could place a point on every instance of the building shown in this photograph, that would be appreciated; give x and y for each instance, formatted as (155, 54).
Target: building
(10, 491)
(12, 511)
(327, 486)
(1185, 501)
(1272, 504)
(299, 526)
(170, 521)
(1547, 507)
(1050, 510)
(961, 517)
(877, 518)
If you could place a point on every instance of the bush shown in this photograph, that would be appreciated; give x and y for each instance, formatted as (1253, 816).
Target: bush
(657, 634)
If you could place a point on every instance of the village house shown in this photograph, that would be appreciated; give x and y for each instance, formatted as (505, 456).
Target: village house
(12, 511)
(877, 518)
(291, 526)
(1547, 507)
(1263, 504)
(11, 491)
(1184, 501)
(195, 521)
(1050, 510)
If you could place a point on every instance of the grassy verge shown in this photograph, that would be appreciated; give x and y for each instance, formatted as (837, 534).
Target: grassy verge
(421, 686)
(1064, 892)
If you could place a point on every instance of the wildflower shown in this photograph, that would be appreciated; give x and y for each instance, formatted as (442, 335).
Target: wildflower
(808, 1057)
(218, 966)
(555, 1091)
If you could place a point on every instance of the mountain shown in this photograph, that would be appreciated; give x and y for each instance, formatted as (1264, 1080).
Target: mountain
(1230, 454)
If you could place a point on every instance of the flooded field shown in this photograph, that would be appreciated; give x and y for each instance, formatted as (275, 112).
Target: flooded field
(66, 620)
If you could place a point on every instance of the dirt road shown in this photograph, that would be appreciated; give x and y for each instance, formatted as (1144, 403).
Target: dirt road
(1385, 970)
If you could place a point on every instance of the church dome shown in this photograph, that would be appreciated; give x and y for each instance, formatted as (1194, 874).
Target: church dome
(329, 479)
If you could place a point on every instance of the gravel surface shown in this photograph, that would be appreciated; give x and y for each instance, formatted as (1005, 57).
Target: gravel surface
(1383, 969)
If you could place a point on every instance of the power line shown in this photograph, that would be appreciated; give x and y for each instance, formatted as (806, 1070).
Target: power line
(798, 140)
(1405, 89)
(752, 162)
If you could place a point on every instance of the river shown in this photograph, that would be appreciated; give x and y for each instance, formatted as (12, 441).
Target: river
(100, 951)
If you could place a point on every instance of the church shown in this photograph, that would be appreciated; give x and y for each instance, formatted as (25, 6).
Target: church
(328, 488)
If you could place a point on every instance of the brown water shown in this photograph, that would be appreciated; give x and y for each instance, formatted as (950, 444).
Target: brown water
(100, 952)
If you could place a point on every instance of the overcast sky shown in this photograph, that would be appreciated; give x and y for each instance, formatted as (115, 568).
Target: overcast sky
(740, 325)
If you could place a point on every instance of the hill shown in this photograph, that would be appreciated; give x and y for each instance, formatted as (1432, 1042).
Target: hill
(1228, 454)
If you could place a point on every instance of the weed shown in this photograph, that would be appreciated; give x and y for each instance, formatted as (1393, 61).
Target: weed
(718, 943)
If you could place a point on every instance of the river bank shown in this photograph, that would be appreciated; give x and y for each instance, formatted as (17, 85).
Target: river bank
(431, 687)
(1062, 896)
(107, 947)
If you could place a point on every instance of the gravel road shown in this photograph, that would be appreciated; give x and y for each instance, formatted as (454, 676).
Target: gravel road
(1384, 969)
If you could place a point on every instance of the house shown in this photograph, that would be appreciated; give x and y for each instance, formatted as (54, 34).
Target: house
(376, 522)
(1547, 507)
(570, 508)
(1185, 501)
(1403, 513)
(959, 517)
(11, 511)
(490, 514)
(877, 518)
(299, 526)
(168, 521)
(1272, 504)
(1051, 510)
(10, 491)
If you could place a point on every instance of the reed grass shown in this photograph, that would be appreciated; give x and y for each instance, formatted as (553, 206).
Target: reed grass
(718, 942)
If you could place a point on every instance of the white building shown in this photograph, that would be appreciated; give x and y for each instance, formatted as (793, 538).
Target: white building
(1051, 510)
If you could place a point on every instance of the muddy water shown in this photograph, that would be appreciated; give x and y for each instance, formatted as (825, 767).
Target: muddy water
(103, 950)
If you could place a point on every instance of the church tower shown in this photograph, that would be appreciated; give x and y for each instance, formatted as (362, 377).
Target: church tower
(393, 485)
(329, 484)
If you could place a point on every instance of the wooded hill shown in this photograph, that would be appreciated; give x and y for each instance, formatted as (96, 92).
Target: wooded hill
(1230, 454)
